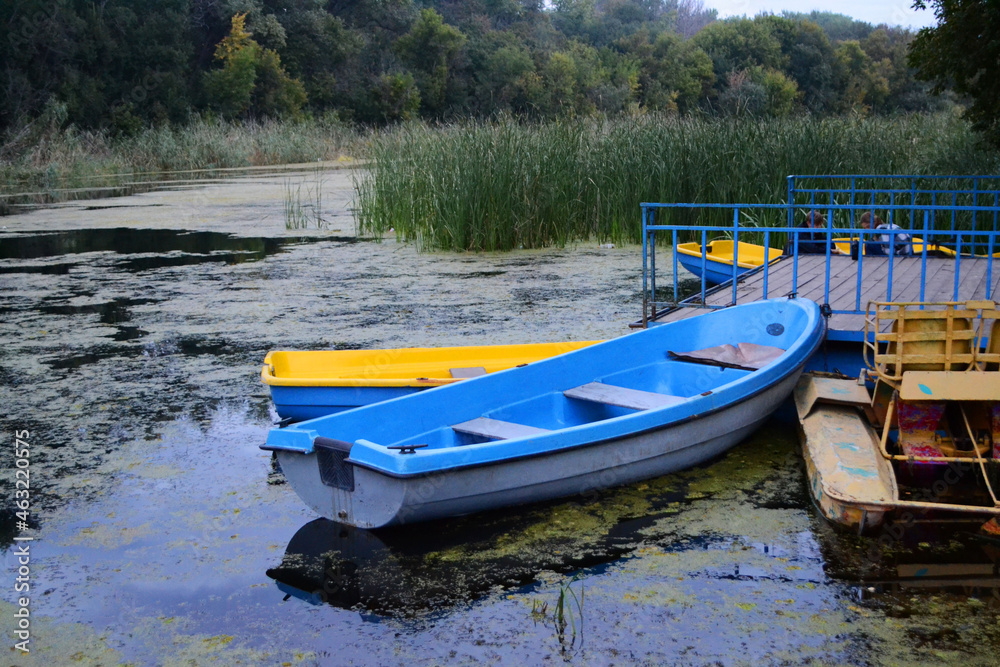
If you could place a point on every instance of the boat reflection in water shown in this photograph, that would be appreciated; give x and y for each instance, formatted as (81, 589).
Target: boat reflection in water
(409, 570)
(328, 562)
(915, 564)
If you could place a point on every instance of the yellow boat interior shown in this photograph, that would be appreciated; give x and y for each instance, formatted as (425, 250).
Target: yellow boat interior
(401, 367)
(721, 250)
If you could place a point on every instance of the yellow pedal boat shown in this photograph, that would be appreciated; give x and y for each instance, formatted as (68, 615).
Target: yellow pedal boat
(924, 442)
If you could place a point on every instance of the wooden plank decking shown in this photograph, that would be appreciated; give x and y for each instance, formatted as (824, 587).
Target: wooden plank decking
(939, 285)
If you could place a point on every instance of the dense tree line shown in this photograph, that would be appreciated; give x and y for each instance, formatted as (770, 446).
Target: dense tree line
(121, 64)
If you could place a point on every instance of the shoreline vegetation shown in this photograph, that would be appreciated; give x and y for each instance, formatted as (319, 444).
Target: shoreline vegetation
(506, 183)
(45, 165)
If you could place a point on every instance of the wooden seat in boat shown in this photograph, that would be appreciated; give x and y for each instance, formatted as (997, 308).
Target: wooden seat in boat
(623, 397)
(496, 429)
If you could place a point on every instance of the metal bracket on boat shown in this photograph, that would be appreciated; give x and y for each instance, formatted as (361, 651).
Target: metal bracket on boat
(335, 470)
(282, 423)
(406, 449)
(825, 310)
(792, 295)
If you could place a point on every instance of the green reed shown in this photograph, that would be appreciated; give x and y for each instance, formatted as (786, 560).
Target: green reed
(505, 184)
(56, 165)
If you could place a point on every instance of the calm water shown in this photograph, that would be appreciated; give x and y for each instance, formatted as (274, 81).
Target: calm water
(133, 335)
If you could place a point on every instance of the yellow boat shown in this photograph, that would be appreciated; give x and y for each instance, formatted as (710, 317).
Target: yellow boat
(312, 384)
(843, 244)
(719, 259)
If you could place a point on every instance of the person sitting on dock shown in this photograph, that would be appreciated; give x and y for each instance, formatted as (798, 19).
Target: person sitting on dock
(900, 243)
(813, 242)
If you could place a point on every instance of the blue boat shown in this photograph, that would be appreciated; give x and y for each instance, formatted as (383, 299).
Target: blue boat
(643, 405)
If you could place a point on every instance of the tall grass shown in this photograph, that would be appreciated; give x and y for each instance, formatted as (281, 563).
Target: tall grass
(505, 184)
(50, 163)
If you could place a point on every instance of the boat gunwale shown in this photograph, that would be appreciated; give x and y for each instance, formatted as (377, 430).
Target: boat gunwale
(883, 505)
(268, 377)
(774, 374)
(567, 448)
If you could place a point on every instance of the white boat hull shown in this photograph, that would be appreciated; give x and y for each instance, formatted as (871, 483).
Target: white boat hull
(378, 499)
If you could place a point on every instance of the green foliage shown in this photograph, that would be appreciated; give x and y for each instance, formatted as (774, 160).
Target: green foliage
(430, 49)
(758, 92)
(117, 62)
(838, 27)
(396, 97)
(230, 89)
(321, 46)
(861, 80)
(506, 79)
(252, 80)
(739, 44)
(674, 74)
(503, 185)
(963, 52)
(810, 65)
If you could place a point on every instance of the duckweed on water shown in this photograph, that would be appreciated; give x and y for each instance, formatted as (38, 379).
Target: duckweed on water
(158, 522)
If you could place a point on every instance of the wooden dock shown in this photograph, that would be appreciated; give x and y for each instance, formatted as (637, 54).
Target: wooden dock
(939, 285)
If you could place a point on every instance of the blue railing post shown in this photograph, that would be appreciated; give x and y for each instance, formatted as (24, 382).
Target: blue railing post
(676, 298)
(645, 268)
(852, 201)
(704, 262)
(795, 260)
(958, 263)
(767, 258)
(975, 203)
(652, 265)
(996, 210)
(861, 267)
(791, 198)
(892, 253)
(989, 265)
(829, 248)
(736, 250)
(923, 255)
(954, 211)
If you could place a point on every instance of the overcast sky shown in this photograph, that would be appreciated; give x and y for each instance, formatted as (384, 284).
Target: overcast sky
(893, 12)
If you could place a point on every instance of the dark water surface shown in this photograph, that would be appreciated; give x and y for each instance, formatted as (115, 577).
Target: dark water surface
(163, 535)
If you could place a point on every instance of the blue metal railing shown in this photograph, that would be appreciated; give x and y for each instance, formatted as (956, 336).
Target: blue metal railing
(879, 190)
(746, 220)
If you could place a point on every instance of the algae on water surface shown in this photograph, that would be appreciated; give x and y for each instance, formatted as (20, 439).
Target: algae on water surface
(158, 521)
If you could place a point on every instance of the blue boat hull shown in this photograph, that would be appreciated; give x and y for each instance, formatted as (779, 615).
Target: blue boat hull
(342, 465)
(302, 403)
(716, 273)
